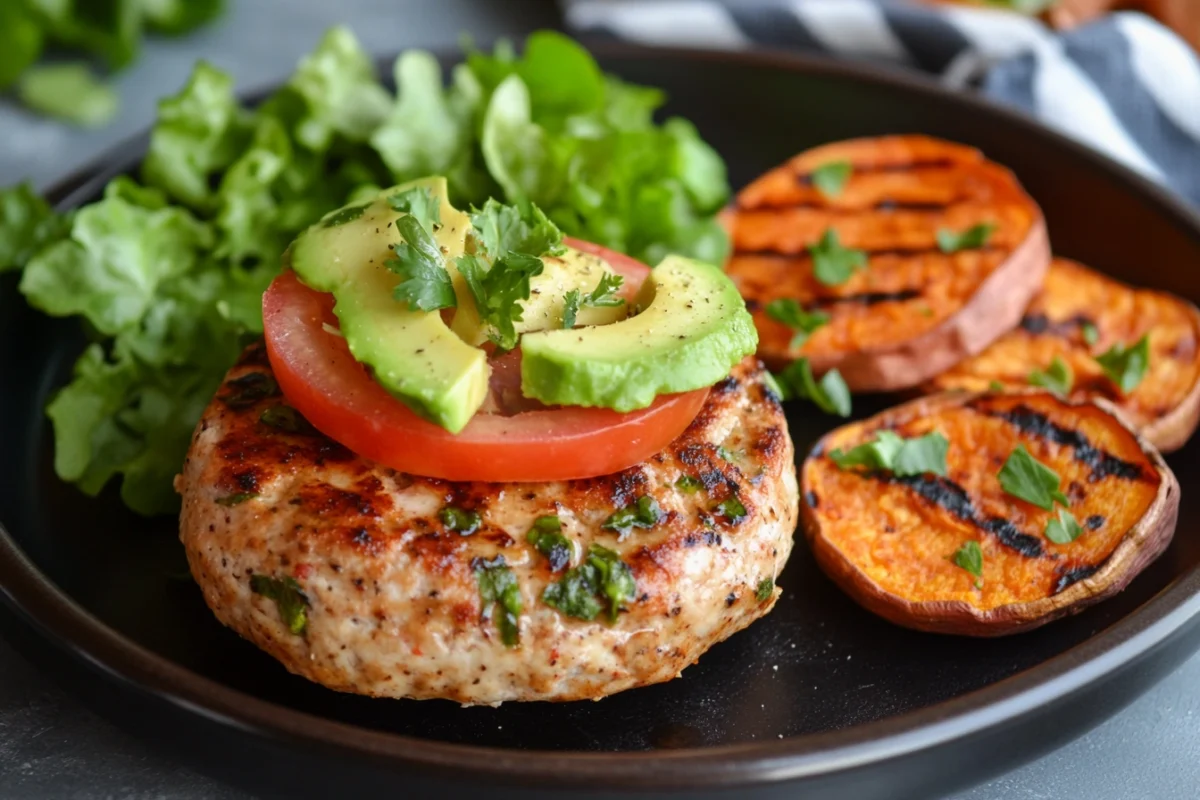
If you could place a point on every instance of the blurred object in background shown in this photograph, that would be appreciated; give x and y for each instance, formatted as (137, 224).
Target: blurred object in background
(1183, 16)
(105, 33)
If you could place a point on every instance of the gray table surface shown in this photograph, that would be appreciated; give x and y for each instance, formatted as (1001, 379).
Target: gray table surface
(51, 747)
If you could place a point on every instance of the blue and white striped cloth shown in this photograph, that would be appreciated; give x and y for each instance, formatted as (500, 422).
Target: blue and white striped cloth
(1125, 84)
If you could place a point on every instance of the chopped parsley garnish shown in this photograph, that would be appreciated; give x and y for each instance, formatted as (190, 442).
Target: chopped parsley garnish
(426, 284)
(830, 394)
(766, 588)
(249, 389)
(1126, 366)
(972, 238)
(286, 419)
(792, 314)
(970, 558)
(833, 264)
(1025, 477)
(1089, 332)
(602, 581)
(419, 203)
(688, 485)
(547, 538)
(830, 178)
(604, 295)
(732, 509)
(289, 598)
(236, 499)
(460, 520)
(1064, 529)
(499, 597)
(996, 386)
(644, 513)
(902, 457)
(1058, 377)
(344, 215)
(725, 454)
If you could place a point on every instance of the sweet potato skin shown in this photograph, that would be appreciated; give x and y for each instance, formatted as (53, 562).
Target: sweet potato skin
(914, 311)
(1165, 406)
(942, 597)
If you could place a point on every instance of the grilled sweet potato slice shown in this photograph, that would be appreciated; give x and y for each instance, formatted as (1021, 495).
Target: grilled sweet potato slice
(914, 311)
(1164, 407)
(888, 541)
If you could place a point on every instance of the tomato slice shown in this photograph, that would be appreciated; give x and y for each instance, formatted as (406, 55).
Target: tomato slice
(320, 377)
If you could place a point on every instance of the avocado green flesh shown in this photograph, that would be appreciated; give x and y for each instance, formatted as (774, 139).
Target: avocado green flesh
(413, 354)
(693, 329)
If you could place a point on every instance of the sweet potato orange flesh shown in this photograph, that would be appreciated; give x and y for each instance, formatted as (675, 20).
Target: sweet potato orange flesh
(903, 190)
(890, 541)
(1163, 406)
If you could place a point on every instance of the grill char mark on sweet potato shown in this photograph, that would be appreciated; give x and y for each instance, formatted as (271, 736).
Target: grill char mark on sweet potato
(1164, 407)
(903, 190)
(954, 500)
(1101, 464)
(890, 541)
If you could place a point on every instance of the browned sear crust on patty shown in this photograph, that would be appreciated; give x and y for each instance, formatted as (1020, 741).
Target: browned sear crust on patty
(393, 604)
(1078, 304)
(914, 310)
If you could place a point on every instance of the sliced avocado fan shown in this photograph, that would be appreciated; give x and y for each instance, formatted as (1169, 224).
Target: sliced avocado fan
(413, 354)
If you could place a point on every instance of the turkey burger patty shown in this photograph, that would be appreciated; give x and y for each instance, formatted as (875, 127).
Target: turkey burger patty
(373, 581)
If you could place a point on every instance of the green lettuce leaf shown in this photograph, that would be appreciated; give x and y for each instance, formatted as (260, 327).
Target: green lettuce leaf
(27, 223)
(21, 40)
(70, 92)
(199, 132)
(110, 269)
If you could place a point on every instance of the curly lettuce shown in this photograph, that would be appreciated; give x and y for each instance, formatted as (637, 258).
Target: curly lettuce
(167, 272)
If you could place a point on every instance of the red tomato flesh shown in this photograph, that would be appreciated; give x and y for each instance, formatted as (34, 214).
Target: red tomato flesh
(321, 379)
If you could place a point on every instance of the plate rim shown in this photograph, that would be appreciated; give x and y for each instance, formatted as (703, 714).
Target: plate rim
(57, 618)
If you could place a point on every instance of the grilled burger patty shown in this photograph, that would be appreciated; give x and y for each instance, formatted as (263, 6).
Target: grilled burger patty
(350, 574)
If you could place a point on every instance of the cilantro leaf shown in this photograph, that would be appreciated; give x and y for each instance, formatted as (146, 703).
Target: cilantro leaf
(1089, 332)
(830, 178)
(972, 238)
(833, 264)
(420, 203)
(460, 520)
(1064, 528)
(1024, 477)
(688, 485)
(1126, 366)
(792, 314)
(1058, 377)
(547, 538)
(644, 513)
(732, 509)
(892, 452)
(499, 597)
(830, 394)
(499, 291)
(289, 598)
(970, 558)
(766, 588)
(602, 580)
(604, 295)
(520, 228)
(426, 284)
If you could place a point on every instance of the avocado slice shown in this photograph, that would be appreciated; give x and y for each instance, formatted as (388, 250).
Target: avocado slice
(692, 329)
(413, 354)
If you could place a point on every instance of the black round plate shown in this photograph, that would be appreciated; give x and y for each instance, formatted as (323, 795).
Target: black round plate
(818, 698)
